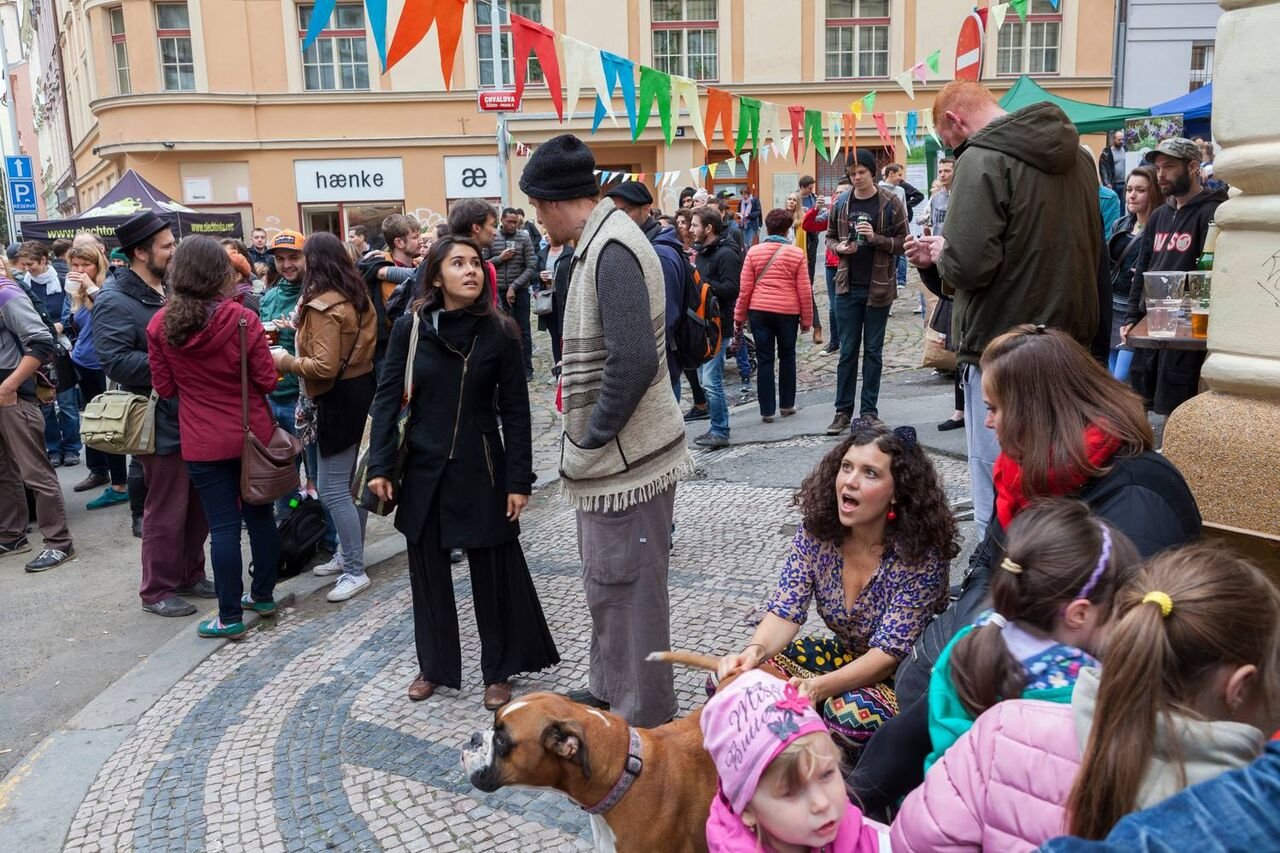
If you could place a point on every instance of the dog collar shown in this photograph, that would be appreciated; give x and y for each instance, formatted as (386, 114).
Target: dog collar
(630, 771)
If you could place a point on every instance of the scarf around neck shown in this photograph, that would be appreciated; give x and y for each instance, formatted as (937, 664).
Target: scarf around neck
(1100, 446)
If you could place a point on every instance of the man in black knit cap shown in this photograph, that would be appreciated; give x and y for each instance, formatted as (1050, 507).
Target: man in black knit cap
(624, 440)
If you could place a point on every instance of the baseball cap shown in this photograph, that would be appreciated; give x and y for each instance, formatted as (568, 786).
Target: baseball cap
(1177, 146)
(287, 240)
(632, 192)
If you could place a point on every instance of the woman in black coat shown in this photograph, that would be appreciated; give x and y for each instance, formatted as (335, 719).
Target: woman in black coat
(464, 484)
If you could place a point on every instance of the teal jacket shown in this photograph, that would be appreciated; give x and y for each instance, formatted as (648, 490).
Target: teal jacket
(279, 301)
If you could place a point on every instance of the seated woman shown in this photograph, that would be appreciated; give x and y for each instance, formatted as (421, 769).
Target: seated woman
(1082, 435)
(874, 548)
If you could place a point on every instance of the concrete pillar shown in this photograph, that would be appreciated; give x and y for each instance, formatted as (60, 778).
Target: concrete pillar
(1226, 441)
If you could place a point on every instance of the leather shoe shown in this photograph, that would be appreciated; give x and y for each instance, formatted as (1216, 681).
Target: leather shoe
(420, 689)
(584, 696)
(93, 481)
(497, 695)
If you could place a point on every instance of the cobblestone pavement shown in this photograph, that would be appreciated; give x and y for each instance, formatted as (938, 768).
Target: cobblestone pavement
(300, 738)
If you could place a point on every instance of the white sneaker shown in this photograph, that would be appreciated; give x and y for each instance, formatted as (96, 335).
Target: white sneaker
(348, 586)
(333, 567)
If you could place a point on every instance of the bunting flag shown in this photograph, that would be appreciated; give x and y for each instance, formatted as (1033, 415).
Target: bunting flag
(684, 89)
(749, 110)
(617, 69)
(913, 129)
(918, 71)
(833, 134)
(883, 129)
(856, 109)
(850, 136)
(926, 120)
(529, 37)
(711, 167)
(375, 10)
(416, 19)
(654, 86)
(997, 14)
(934, 61)
(813, 133)
(583, 67)
(899, 125)
(869, 102)
(1054, 4)
(771, 124)
(1020, 6)
(720, 109)
(904, 80)
(797, 128)
(764, 153)
(746, 161)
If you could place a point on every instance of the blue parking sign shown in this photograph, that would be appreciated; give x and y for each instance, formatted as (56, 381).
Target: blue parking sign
(22, 196)
(18, 168)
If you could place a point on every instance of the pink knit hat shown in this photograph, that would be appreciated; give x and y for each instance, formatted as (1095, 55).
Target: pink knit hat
(747, 724)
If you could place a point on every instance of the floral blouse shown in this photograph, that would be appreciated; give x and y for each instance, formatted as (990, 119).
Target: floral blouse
(889, 613)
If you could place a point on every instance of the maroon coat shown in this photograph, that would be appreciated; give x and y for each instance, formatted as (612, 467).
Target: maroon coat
(204, 373)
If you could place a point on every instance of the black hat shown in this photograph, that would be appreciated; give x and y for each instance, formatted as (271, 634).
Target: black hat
(560, 169)
(863, 157)
(135, 230)
(632, 192)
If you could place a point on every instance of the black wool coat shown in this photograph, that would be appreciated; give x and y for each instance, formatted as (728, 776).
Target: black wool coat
(457, 454)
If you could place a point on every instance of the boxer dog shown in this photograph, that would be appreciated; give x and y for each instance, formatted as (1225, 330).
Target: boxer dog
(645, 789)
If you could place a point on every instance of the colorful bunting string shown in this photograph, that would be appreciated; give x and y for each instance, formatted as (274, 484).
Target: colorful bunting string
(416, 19)
(583, 66)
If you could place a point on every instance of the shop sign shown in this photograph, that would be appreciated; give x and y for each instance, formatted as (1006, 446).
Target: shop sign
(495, 101)
(356, 179)
(468, 177)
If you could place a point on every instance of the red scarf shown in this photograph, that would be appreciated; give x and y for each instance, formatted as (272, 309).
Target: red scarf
(1010, 497)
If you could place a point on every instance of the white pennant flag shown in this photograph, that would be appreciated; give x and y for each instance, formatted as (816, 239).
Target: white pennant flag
(997, 15)
(682, 88)
(746, 160)
(833, 134)
(770, 128)
(904, 80)
(583, 67)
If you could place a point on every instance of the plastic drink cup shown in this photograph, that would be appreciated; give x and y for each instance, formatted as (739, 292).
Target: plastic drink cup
(273, 333)
(1162, 317)
(1199, 322)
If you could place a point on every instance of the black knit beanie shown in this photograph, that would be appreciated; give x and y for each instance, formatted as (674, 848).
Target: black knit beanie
(561, 168)
(864, 157)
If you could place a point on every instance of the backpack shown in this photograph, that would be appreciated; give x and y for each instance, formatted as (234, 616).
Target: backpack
(697, 336)
(300, 534)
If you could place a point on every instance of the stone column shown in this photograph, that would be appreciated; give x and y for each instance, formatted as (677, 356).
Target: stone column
(1226, 441)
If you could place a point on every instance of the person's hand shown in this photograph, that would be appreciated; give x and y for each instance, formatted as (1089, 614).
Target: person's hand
(382, 489)
(846, 247)
(864, 228)
(923, 252)
(515, 506)
(1124, 332)
(810, 688)
(749, 658)
(278, 355)
(507, 254)
(511, 296)
(8, 397)
(285, 321)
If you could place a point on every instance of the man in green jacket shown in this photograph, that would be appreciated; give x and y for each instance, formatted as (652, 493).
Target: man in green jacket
(1023, 241)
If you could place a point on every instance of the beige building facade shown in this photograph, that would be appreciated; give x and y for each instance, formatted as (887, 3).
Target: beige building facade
(215, 102)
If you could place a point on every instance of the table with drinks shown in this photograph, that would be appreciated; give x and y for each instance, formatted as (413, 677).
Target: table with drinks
(1177, 311)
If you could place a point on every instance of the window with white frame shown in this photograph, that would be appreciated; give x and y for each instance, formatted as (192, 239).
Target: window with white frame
(489, 74)
(338, 60)
(177, 62)
(857, 39)
(686, 38)
(1201, 64)
(1033, 47)
(119, 50)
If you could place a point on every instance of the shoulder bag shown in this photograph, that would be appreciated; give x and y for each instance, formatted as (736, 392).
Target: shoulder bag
(120, 422)
(267, 472)
(364, 498)
(544, 302)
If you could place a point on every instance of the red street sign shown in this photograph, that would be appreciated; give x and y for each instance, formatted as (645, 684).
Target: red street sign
(497, 102)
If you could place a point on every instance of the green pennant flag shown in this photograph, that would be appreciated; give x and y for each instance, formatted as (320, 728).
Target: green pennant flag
(654, 85)
(934, 61)
(869, 102)
(813, 132)
(748, 124)
(1020, 6)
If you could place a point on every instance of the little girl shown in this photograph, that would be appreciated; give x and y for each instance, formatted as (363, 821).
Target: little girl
(781, 789)
(1051, 596)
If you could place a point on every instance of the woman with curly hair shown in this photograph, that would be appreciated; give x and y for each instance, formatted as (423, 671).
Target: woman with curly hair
(874, 547)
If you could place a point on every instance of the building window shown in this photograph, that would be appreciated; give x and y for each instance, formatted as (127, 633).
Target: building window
(1201, 64)
(531, 9)
(686, 38)
(177, 63)
(857, 39)
(1033, 47)
(120, 50)
(338, 59)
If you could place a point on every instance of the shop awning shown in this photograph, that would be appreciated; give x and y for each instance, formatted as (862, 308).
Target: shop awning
(1193, 105)
(1087, 117)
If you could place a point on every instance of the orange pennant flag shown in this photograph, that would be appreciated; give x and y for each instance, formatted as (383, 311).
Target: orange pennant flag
(719, 108)
(850, 136)
(416, 20)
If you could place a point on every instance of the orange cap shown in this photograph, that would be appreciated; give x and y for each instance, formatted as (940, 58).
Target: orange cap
(287, 239)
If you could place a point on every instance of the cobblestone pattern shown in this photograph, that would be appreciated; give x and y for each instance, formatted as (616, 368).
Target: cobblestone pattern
(301, 739)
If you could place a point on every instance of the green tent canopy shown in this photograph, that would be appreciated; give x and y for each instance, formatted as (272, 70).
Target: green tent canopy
(1087, 117)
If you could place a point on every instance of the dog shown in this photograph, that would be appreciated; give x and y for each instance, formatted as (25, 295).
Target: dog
(656, 800)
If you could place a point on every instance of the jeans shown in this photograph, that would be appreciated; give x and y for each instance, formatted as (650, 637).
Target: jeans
(218, 484)
(902, 270)
(1119, 362)
(711, 375)
(743, 357)
(833, 325)
(62, 423)
(334, 485)
(775, 333)
(983, 449)
(519, 311)
(749, 235)
(861, 326)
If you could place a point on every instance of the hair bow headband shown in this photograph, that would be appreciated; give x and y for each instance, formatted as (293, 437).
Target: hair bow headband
(905, 434)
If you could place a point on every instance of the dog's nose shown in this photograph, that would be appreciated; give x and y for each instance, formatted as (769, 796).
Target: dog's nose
(477, 740)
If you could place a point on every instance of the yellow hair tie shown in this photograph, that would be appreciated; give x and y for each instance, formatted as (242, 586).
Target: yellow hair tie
(1161, 599)
(1010, 566)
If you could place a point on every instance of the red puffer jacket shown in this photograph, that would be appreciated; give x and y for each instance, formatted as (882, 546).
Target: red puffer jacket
(782, 288)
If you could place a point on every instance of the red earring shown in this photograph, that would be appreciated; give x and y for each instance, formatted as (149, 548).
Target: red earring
(892, 516)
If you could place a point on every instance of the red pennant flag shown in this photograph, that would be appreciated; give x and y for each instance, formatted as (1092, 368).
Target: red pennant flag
(719, 107)
(526, 37)
(885, 137)
(797, 129)
(416, 20)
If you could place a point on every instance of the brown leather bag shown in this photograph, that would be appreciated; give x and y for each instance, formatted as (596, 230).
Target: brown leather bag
(267, 472)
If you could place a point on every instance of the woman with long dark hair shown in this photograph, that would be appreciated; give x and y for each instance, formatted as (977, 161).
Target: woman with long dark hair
(464, 482)
(1141, 196)
(337, 333)
(194, 350)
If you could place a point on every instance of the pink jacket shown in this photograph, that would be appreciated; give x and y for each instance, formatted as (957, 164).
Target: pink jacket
(1003, 786)
(784, 289)
(727, 834)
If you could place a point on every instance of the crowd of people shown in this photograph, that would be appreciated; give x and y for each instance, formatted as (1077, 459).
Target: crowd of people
(1095, 661)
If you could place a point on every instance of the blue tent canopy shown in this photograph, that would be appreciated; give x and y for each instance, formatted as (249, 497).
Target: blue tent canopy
(1191, 106)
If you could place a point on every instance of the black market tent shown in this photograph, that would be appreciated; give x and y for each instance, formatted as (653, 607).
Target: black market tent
(1087, 117)
(1195, 108)
(131, 194)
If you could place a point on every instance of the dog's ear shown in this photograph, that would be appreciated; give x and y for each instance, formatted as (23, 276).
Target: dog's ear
(567, 739)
